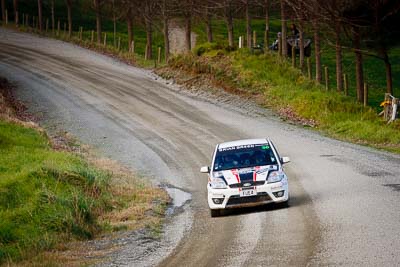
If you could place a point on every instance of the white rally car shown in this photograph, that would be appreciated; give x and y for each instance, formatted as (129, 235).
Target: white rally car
(246, 173)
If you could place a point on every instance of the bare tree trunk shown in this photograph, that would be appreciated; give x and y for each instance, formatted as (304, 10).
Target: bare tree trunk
(149, 39)
(209, 26)
(16, 12)
(188, 33)
(301, 47)
(3, 10)
(318, 67)
(284, 29)
(165, 14)
(129, 24)
(115, 30)
(266, 34)
(229, 24)
(166, 38)
(40, 16)
(98, 20)
(359, 65)
(388, 67)
(248, 24)
(69, 12)
(339, 69)
(53, 21)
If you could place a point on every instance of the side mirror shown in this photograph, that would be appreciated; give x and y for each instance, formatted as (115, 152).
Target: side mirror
(285, 160)
(205, 169)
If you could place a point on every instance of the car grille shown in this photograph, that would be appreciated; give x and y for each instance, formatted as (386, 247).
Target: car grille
(252, 183)
(236, 199)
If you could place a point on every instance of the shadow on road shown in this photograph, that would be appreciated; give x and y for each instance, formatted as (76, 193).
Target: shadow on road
(295, 201)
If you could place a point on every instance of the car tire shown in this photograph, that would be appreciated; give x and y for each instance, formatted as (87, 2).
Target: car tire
(215, 213)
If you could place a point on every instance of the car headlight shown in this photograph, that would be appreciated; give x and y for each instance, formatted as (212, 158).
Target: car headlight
(218, 183)
(275, 177)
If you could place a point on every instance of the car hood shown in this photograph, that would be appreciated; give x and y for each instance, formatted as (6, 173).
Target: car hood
(251, 174)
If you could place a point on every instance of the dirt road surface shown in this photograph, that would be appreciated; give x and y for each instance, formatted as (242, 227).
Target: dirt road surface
(344, 198)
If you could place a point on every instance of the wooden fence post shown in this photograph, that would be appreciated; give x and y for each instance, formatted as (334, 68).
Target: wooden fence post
(105, 40)
(145, 52)
(65, 29)
(266, 41)
(293, 56)
(309, 68)
(240, 42)
(58, 28)
(365, 94)
(92, 37)
(346, 85)
(33, 22)
(47, 25)
(254, 38)
(6, 17)
(80, 33)
(159, 55)
(326, 78)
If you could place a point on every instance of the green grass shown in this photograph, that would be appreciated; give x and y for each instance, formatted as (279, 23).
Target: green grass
(49, 197)
(45, 196)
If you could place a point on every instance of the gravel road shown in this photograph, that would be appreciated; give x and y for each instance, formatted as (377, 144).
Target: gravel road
(344, 208)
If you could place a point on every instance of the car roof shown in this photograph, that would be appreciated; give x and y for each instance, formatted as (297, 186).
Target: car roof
(244, 142)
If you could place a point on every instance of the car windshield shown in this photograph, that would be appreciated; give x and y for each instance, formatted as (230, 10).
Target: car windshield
(245, 156)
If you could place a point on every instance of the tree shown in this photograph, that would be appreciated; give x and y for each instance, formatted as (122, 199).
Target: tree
(16, 15)
(129, 24)
(358, 63)
(40, 16)
(208, 16)
(149, 8)
(284, 28)
(97, 4)
(246, 4)
(186, 8)
(165, 13)
(53, 21)
(3, 10)
(227, 7)
(383, 19)
(266, 34)
(69, 14)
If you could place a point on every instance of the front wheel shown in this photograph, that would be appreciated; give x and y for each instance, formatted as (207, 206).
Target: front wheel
(215, 213)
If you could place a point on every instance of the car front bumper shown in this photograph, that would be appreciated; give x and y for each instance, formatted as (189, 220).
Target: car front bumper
(230, 197)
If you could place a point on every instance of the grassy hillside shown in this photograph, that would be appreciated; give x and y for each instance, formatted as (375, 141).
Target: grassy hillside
(286, 90)
(374, 69)
(48, 197)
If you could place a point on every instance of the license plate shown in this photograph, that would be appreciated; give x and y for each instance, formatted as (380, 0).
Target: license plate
(248, 192)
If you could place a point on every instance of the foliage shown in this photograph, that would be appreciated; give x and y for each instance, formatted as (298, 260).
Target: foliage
(50, 197)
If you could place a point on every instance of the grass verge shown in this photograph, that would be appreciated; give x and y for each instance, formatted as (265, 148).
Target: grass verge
(50, 197)
(291, 94)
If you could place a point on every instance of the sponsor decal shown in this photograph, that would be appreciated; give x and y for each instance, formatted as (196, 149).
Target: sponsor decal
(236, 174)
(263, 146)
(255, 173)
(246, 170)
